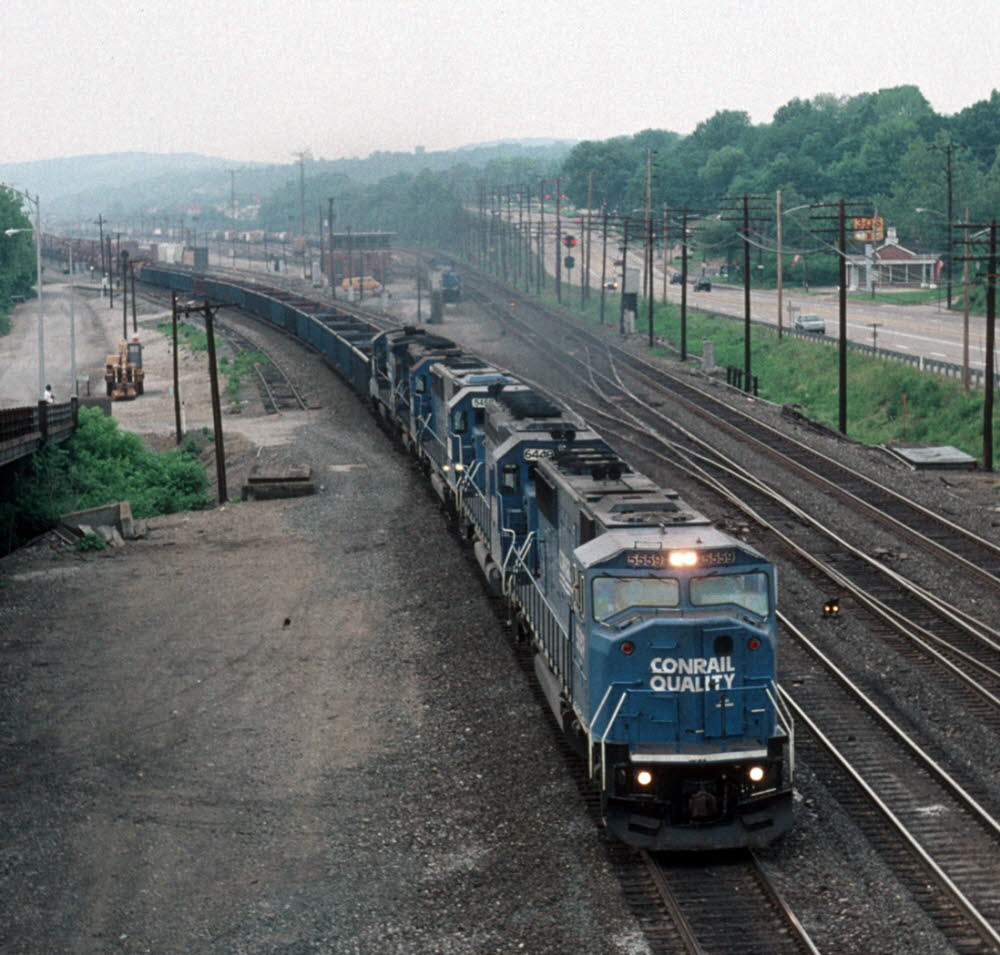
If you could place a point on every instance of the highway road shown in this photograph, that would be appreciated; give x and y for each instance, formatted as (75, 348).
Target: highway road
(927, 331)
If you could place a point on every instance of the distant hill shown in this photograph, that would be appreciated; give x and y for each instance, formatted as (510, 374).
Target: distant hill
(53, 179)
(130, 185)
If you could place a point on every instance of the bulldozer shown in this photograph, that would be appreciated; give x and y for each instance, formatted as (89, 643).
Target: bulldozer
(123, 373)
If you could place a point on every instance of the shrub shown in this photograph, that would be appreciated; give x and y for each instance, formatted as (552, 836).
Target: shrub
(99, 465)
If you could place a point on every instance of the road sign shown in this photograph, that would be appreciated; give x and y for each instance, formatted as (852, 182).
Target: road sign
(569, 261)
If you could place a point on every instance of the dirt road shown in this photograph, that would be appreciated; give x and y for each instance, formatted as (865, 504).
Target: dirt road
(79, 320)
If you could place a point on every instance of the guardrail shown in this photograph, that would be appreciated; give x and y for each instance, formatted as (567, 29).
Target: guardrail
(24, 430)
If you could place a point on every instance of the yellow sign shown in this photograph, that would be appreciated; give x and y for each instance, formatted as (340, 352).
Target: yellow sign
(868, 228)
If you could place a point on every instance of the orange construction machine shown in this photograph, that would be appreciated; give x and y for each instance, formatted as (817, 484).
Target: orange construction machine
(123, 372)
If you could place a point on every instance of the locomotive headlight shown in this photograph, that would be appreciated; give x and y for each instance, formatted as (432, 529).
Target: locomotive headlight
(682, 558)
(644, 777)
(459, 468)
(756, 774)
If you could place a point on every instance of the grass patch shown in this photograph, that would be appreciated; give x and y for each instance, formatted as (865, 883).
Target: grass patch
(919, 296)
(234, 369)
(886, 401)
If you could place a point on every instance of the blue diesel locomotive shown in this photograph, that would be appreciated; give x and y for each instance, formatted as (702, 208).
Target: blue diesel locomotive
(653, 632)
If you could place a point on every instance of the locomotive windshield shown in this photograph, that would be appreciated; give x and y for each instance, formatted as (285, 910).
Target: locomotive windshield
(744, 590)
(612, 595)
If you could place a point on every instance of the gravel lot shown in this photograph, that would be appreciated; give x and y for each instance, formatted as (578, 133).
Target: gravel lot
(298, 726)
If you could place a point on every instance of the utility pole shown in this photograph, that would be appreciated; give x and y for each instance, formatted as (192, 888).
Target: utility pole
(965, 306)
(329, 225)
(123, 256)
(232, 203)
(541, 238)
(666, 243)
(322, 240)
(302, 203)
(558, 183)
(647, 269)
(522, 257)
(842, 273)
(604, 257)
(989, 385)
(131, 277)
(948, 149)
(502, 231)
(684, 280)
(746, 291)
(585, 247)
(989, 378)
(75, 387)
(111, 277)
(177, 389)
(100, 230)
(621, 295)
(649, 253)
(213, 376)
(777, 219)
(758, 218)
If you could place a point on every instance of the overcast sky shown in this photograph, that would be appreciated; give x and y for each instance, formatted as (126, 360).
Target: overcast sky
(262, 79)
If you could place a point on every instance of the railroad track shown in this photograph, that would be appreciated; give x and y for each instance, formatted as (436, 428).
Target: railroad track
(930, 531)
(968, 647)
(964, 901)
(728, 906)
(940, 842)
(275, 389)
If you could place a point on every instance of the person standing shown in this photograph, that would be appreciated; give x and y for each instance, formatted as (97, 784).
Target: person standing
(50, 399)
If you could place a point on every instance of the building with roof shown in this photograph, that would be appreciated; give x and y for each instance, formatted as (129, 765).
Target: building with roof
(895, 266)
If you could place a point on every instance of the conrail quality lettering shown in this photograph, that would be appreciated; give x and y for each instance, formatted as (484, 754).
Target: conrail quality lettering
(691, 674)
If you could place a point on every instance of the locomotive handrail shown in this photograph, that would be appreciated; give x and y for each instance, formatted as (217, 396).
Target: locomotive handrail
(518, 558)
(590, 731)
(423, 426)
(607, 729)
(466, 478)
(781, 708)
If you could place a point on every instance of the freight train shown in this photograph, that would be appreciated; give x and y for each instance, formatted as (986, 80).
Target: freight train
(653, 632)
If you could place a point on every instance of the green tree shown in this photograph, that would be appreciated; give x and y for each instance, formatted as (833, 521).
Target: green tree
(17, 255)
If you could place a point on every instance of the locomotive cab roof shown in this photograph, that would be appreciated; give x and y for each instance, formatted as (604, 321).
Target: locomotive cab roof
(521, 412)
(612, 494)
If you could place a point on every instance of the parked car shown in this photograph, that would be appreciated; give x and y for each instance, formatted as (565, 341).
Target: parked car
(677, 279)
(810, 323)
(703, 285)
